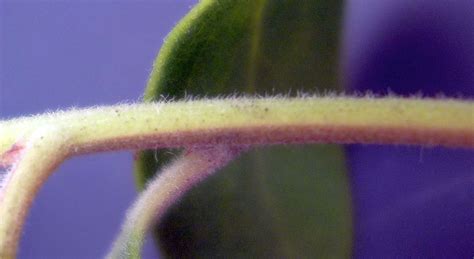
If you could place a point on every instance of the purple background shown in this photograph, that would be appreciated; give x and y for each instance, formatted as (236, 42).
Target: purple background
(408, 201)
(412, 201)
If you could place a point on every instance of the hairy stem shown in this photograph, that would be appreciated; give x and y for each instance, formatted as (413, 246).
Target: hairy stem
(444, 122)
(47, 140)
(167, 187)
(41, 154)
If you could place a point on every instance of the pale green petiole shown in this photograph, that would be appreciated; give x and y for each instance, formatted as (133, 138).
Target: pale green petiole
(445, 122)
(48, 139)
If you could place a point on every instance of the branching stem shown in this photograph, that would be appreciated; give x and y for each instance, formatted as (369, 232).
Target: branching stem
(49, 139)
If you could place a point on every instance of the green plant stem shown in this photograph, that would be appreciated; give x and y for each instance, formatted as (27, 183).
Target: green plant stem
(49, 139)
(41, 154)
(445, 122)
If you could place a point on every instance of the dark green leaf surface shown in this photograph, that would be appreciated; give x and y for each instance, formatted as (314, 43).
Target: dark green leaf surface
(281, 201)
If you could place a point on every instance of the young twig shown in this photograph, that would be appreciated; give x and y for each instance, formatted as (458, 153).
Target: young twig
(30, 148)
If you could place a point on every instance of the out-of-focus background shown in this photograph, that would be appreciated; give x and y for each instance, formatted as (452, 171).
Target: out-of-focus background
(408, 201)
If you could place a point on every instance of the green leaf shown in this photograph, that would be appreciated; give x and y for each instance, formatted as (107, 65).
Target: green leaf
(283, 201)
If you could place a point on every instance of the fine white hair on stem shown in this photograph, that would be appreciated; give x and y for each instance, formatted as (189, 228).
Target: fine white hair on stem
(166, 188)
(33, 160)
(48, 139)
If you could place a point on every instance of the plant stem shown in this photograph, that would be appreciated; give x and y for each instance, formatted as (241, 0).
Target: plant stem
(50, 138)
(41, 154)
(444, 122)
(167, 187)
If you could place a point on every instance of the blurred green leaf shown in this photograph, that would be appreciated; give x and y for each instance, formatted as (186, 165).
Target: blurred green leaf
(281, 201)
